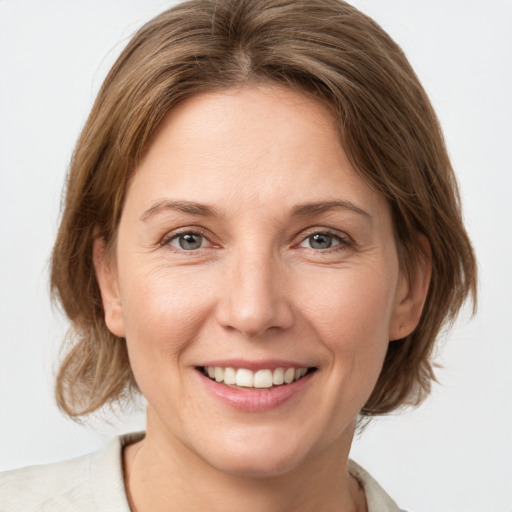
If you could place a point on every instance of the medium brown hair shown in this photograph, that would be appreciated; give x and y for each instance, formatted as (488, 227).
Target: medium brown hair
(387, 126)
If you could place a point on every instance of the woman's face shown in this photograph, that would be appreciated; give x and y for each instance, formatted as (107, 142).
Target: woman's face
(250, 250)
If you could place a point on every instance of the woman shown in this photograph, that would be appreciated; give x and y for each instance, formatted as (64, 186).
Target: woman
(262, 235)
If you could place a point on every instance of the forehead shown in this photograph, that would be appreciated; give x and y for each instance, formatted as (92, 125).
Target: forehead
(247, 119)
(249, 146)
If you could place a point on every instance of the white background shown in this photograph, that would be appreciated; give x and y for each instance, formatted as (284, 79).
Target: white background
(452, 454)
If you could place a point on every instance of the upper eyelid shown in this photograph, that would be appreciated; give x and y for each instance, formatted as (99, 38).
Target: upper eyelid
(306, 233)
(298, 237)
(341, 241)
(182, 231)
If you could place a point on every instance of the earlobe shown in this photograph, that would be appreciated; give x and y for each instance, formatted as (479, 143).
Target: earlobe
(411, 294)
(106, 277)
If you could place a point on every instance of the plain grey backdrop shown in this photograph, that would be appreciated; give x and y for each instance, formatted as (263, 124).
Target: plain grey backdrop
(454, 453)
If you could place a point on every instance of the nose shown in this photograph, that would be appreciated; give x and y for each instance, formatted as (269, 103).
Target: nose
(253, 300)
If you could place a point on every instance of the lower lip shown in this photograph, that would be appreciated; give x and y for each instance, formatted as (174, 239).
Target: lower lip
(255, 400)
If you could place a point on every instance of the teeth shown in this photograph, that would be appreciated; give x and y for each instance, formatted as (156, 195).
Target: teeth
(278, 377)
(244, 378)
(260, 379)
(263, 379)
(289, 375)
(230, 376)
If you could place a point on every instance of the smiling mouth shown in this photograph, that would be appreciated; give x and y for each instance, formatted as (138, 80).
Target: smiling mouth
(260, 379)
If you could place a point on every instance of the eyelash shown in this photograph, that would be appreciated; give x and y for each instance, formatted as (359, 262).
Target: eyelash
(343, 242)
(166, 241)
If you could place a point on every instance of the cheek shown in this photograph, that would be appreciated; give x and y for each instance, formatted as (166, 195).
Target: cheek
(354, 305)
(352, 321)
(163, 314)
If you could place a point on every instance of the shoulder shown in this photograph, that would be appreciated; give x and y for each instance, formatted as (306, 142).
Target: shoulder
(89, 483)
(50, 487)
(377, 499)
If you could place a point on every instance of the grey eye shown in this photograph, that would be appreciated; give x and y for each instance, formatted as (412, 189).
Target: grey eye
(320, 241)
(188, 241)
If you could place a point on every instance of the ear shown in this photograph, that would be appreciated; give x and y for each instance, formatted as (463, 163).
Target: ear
(106, 275)
(411, 293)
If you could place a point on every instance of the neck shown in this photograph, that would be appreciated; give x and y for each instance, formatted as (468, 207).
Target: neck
(163, 474)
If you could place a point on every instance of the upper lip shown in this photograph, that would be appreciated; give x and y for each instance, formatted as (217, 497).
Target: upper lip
(266, 364)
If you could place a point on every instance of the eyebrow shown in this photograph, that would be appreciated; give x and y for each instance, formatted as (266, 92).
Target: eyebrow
(189, 207)
(204, 210)
(326, 206)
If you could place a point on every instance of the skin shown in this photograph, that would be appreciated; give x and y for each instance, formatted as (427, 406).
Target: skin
(255, 289)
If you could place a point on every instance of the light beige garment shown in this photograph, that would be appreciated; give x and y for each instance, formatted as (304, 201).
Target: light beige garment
(94, 483)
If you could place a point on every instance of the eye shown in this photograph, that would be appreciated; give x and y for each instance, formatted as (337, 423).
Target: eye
(321, 241)
(188, 241)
